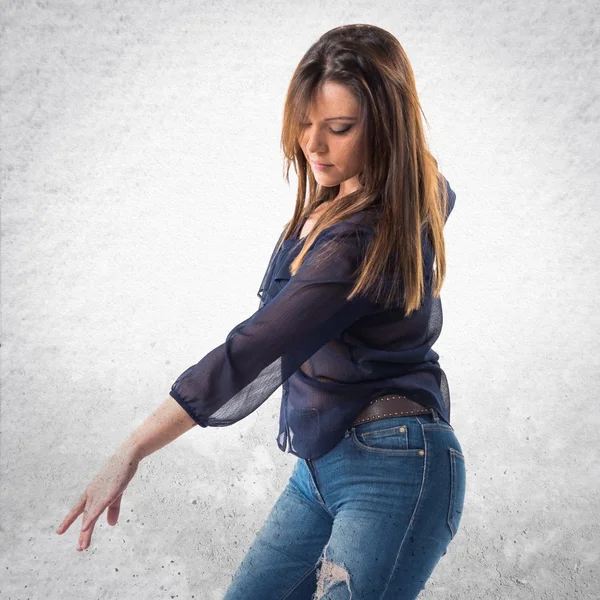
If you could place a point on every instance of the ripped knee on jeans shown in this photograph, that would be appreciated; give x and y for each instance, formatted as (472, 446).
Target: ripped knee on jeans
(330, 575)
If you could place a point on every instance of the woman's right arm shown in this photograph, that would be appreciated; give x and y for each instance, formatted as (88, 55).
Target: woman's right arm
(165, 424)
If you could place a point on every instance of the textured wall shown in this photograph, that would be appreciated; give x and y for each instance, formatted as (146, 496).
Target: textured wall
(141, 197)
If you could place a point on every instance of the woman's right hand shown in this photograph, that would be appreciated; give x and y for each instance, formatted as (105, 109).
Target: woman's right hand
(105, 490)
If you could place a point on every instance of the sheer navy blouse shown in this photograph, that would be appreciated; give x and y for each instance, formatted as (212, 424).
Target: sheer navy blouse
(332, 356)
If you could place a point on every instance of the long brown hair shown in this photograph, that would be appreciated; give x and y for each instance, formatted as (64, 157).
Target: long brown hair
(400, 181)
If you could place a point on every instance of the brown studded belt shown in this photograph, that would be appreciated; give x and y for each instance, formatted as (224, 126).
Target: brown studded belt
(390, 406)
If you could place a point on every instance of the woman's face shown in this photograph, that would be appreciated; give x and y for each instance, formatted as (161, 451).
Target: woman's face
(331, 135)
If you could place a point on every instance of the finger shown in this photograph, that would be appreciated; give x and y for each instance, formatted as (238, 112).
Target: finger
(87, 529)
(72, 515)
(112, 515)
(85, 539)
(91, 514)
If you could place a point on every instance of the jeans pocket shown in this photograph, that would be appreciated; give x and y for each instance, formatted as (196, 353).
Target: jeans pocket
(457, 489)
(383, 439)
(389, 438)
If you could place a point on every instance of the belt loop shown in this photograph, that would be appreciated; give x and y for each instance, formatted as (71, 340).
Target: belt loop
(434, 415)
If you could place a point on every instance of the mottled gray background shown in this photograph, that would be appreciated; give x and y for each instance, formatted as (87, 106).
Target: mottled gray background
(141, 198)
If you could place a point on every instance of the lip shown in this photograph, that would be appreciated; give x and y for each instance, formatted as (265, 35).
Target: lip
(320, 166)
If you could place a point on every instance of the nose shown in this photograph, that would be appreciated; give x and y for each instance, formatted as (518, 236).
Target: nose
(314, 141)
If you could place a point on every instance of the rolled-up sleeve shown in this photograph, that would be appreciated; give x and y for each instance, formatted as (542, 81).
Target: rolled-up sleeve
(264, 350)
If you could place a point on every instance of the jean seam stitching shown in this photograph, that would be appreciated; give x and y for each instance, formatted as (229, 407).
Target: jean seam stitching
(320, 498)
(436, 426)
(382, 432)
(389, 451)
(412, 518)
(455, 451)
(279, 549)
(295, 585)
(454, 456)
(302, 499)
(452, 484)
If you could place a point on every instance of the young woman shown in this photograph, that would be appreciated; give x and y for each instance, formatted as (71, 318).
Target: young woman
(349, 310)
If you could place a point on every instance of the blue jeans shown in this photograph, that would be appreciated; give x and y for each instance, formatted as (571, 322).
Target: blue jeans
(369, 520)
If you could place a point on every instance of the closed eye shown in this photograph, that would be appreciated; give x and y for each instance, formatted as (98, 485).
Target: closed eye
(334, 131)
(341, 131)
